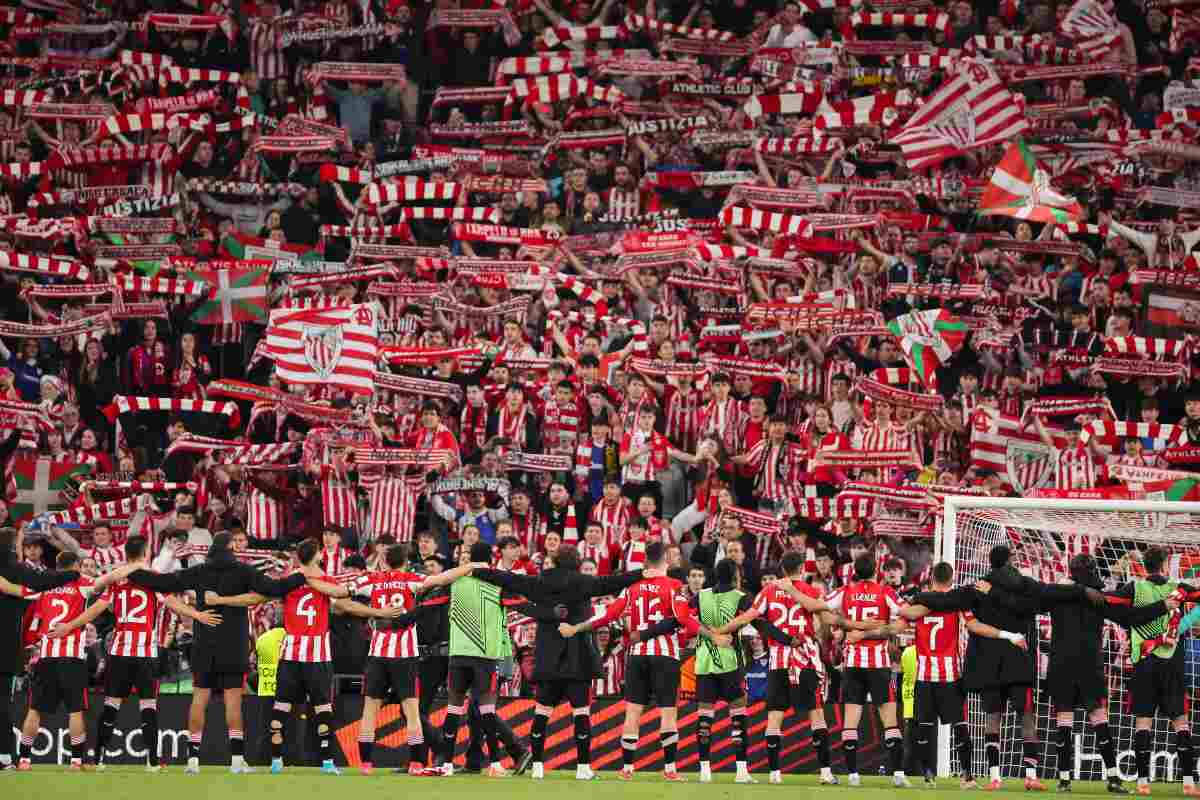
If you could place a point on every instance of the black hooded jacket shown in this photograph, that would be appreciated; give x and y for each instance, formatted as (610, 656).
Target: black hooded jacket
(1077, 626)
(556, 657)
(12, 609)
(225, 647)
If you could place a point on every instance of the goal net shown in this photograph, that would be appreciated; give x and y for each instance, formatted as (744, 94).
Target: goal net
(1044, 535)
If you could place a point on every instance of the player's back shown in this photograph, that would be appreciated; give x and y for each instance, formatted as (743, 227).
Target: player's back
(868, 601)
(938, 644)
(136, 610)
(648, 602)
(57, 607)
(782, 610)
(306, 624)
(392, 589)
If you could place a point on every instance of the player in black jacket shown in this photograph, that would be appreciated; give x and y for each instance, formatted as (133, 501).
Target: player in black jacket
(563, 667)
(220, 654)
(1076, 677)
(1000, 673)
(12, 610)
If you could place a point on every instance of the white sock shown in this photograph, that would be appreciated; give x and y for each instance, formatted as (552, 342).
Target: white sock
(898, 773)
(704, 765)
(1189, 780)
(1030, 773)
(994, 773)
(194, 761)
(774, 773)
(669, 766)
(826, 772)
(742, 766)
(239, 761)
(1143, 781)
(1064, 776)
(498, 765)
(1111, 772)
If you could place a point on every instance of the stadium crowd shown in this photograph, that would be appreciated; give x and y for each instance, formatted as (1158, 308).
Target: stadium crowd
(727, 281)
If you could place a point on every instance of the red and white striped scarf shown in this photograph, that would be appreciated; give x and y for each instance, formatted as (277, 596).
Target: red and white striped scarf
(136, 283)
(353, 71)
(882, 109)
(408, 189)
(654, 27)
(557, 88)
(936, 22)
(834, 507)
(152, 121)
(1164, 435)
(755, 219)
(573, 34)
(397, 456)
(124, 404)
(184, 22)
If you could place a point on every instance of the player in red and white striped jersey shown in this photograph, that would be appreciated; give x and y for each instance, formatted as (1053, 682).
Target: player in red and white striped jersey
(655, 608)
(867, 666)
(796, 677)
(133, 653)
(305, 665)
(939, 667)
(392, 662)
(60, 675)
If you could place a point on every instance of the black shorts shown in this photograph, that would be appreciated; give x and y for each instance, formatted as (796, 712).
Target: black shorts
(304, 682)
(59, 681)
(1158, 685)
(783, 695)
(933, 701)
(218, 681)
(727, 686)
(1070, 689)
(656, 676)
(861, 685)
(470, 673)
(551, 693)
(397, 676)
(126, 673)
(1019, 696)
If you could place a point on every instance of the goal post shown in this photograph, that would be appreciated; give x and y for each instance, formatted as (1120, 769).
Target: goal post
(1044, 534)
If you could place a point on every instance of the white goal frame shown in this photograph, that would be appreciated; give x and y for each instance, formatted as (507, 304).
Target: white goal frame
(946, 542)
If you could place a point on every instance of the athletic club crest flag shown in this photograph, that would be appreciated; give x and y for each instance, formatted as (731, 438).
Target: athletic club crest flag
(973, 110)
(337, 346)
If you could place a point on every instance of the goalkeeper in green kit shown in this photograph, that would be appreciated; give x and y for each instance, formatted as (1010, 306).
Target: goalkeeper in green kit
(1158, 680)
(721, 671)
(479, 641)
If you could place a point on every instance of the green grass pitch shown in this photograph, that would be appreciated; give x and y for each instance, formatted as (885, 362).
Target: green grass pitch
(213, 783)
